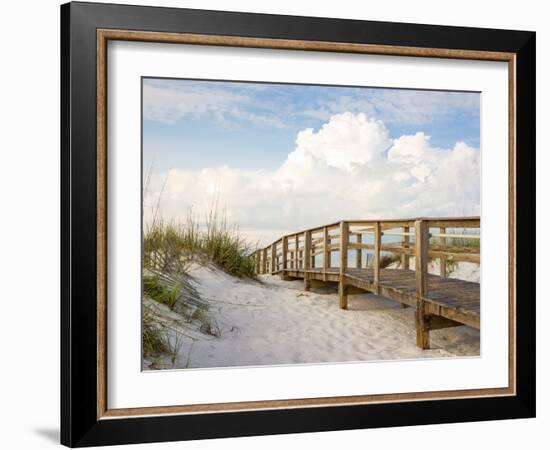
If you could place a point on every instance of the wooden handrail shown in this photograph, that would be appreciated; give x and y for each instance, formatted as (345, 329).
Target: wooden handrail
(434, 222)
(297, 251)
(294, 254)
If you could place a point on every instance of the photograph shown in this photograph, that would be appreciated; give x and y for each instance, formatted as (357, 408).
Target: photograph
(273, 221)
(287, 224)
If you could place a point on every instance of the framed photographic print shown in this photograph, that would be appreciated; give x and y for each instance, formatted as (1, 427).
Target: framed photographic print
(277, 224)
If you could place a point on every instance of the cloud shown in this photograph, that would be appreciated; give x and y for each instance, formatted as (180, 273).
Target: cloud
(348, 169)
(345, 141)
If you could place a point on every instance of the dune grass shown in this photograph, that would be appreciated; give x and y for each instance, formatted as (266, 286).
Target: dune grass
(460, 241)
(155, 341)
(463, 242)
(168, 250)
(154, 289)
(387, 259)
(170, 246)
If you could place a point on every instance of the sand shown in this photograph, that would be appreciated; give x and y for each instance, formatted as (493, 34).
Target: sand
(271, 322)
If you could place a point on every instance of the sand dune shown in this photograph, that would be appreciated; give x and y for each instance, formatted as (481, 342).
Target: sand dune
(272, 322)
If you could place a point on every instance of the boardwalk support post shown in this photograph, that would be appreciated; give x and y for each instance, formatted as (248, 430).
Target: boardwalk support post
(264, 261)
(285, 251)
(307, 259)
(405, 258)
(326, 253)
(342, 288)
(376, 263)
(296, 252)
(273, 258)
(358, 253)
(442, 260)
(421, 246)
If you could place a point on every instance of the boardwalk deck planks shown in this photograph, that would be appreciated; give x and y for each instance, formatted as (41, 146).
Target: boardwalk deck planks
(440, 302)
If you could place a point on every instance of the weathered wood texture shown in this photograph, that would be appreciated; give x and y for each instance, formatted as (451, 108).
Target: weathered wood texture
(307, 258)
(440, 302)
(377, 245)
(443, 259)
(422, 240)
(273, 258)
(344, 238)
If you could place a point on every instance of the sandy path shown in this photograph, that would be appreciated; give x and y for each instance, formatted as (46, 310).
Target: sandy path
(273, 322)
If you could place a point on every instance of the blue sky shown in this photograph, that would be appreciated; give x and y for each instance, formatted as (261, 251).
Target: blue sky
(254, 125)
(280, 158)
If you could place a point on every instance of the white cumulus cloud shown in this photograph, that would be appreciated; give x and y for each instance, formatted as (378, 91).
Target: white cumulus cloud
(349, 169)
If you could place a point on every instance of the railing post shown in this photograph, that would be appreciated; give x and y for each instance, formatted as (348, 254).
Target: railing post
(405, 259)
(283, 261)
(312, 264)
(264, 260)
(307, 259)
(358, 252)
(296, 252)
(376, 262)
(273, 257)
(421, 247)
(442, 260)
(342, 288)
(326, 253)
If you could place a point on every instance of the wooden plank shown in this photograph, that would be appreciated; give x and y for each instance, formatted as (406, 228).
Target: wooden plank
(456, 235)
(443, 259)
(326, 251)
(307, 259)
(448, 302)
(360, 223)
(467, 257)
(396, 233)
(358, 253)
(422, 239)
(273, 258)
(360, 230)
(357, 245)
(264, 260)
(395, 224)
(284, 256)
(342, 291)
(454, 223)
(438, 322)
(454, 249)
(405, 259)
(296, 251)
(377, 244)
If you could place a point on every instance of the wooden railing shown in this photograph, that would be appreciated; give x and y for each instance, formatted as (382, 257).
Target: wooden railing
(299, 251)
(422, 238)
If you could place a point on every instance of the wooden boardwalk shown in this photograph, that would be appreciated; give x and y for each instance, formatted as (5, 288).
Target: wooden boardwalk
(440, 302)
